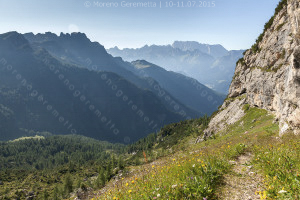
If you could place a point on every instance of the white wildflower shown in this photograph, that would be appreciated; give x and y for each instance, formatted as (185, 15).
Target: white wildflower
(282, 191)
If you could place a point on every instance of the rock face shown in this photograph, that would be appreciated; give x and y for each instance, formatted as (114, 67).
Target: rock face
(268, 76)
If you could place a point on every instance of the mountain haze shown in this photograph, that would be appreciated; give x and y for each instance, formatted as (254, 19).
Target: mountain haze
(40, 93)
(77, 49)
(199, 96)
(211, 65)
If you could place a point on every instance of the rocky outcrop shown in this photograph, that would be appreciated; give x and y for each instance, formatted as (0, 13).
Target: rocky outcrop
(268, 76)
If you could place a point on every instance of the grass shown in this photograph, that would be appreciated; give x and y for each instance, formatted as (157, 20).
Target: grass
(198, 171)
(279, 162)
(177, 168)
(193, 177)
(37, 137)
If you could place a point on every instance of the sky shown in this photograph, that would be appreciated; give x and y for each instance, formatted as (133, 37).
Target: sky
(235, 24)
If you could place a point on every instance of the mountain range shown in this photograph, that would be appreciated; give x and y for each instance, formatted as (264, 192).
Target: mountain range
(211, 65)
(68, 84)
(247, 149)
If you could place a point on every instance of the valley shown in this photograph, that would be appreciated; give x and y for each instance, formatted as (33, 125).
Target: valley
(189, 120)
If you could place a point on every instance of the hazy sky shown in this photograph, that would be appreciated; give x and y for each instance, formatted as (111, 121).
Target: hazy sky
(233, 23)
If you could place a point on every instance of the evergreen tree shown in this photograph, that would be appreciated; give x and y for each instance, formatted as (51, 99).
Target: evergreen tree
(120, 163)
(68, 184)
(100, 181)
(55, 193)
(113, 161)
(109, 169)
(46, 195)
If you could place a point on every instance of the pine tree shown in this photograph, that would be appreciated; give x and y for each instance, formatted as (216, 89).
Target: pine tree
(109, 169)
(46, 195)
(55, 193)
(137, 161)
(120, 163)
(113, 161)
(68, 184)
(100, 182)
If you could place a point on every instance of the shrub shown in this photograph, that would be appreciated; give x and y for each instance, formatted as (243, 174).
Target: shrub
(280, 6)
(246, 107)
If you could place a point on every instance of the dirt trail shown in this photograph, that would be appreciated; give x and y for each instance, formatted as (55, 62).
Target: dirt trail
(242, 182)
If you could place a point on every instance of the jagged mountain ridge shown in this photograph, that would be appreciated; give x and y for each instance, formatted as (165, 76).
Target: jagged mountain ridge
(77, 49)
(39, 93)
(268, 76)
(211, 65)
(180, 86)
(216, 51)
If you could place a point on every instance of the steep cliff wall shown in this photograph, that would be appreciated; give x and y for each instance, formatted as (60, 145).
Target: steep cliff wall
(268, 76)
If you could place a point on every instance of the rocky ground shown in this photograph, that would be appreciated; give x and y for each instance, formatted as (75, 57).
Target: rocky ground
(243, 183)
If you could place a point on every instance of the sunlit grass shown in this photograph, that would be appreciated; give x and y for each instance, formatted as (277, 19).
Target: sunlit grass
(194, 176)
(280, 162)
(197, 172)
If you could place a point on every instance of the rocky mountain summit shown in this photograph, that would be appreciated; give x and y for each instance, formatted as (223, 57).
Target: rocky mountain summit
(216, 51)
(211, 65)
(268, 76)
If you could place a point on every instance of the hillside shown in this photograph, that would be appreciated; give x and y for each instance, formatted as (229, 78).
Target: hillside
(248, 149)
(245, 161)
(199, 96)
(41, 94)
(37, 167)
(169, 165)
(267, 76)
(77, 49)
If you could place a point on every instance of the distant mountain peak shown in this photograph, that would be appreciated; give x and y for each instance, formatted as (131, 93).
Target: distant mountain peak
(16, 40)
(141, 64)
(115, 48)
(204, 62)
(49, 36)
(215, 50)
(74, 35)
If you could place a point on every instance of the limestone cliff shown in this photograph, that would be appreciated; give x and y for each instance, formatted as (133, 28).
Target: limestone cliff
(268, 76)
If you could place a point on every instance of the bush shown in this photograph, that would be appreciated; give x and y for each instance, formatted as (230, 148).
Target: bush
(246, 107)
(280, 6)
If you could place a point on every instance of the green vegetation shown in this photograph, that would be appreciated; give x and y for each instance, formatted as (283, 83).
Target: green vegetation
(197, 171)
(280, 26)
(184, 176)
(50, 167)
(241, 60)
(54, 151)
(166, 165)
(157, 145)
(279, 161)
(272, 69)
(280, 6)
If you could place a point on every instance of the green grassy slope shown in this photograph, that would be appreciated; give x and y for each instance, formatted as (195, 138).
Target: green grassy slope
(167, 165)
(197, 170)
